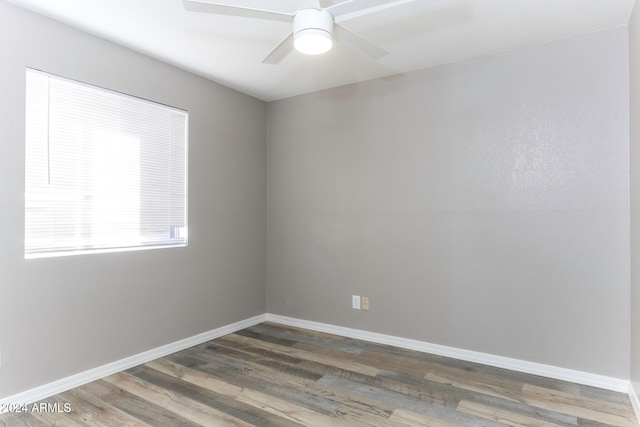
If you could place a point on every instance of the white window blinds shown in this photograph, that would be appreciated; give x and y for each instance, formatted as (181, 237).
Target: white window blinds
(104, 171)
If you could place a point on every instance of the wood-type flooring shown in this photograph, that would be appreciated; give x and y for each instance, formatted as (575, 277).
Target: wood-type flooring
(274, 375)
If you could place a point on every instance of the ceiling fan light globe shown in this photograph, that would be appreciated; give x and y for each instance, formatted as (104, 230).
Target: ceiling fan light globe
(312, 29)
(312, 41)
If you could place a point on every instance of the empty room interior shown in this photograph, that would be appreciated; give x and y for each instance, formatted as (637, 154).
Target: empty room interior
(434, 222)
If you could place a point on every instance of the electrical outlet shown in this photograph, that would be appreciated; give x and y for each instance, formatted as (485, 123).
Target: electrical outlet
(364, 303)
(355, 302)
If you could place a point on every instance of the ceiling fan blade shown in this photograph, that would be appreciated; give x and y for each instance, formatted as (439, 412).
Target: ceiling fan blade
(358, 43)
(223, 9)
(280, 52)
(351, 9)
(329, 3)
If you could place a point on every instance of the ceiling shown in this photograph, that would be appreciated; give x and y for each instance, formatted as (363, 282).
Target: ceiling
(418, 34)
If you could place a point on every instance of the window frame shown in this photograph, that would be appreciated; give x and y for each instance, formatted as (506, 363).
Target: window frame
(148, 244)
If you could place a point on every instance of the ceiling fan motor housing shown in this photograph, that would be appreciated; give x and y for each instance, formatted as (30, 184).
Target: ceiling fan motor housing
(312, 30)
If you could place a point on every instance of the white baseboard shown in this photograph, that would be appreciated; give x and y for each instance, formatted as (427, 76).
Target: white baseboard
(64, 384)
(548, 371)
(634, 399)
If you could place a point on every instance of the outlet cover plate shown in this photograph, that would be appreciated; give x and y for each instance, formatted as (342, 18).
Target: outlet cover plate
(355, 302)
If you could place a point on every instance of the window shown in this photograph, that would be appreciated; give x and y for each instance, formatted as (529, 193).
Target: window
(104, 171)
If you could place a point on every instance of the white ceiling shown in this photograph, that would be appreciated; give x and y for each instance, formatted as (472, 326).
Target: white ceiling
(418, 34)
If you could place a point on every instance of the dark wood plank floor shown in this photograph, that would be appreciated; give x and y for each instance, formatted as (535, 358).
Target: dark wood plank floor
(273, 375)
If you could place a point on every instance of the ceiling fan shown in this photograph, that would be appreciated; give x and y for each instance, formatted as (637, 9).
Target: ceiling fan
(314, 25)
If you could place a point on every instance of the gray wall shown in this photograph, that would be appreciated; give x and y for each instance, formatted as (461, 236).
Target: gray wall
(481, 205)
(634, 59)
(66, 315)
